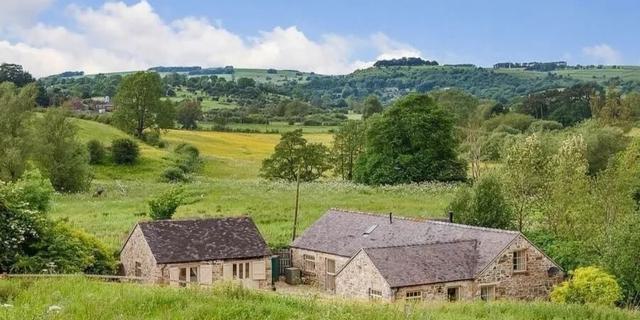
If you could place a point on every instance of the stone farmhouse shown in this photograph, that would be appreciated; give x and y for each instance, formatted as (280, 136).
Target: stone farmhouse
(185, 252)
(369, 256)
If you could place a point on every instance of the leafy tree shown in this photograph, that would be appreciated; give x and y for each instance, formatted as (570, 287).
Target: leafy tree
(484, 205)
(138, 105)
(59, 154)
(609, 108)
(412, 141)
(97, 152)
(188, 114)
(525, 177)
(293, 156)
(165, 205)
(348, 144)
(14, 73)
(124, 151)
(15, 136)
(371, 106)
(588, 285)
(459, 103)
(603, 143)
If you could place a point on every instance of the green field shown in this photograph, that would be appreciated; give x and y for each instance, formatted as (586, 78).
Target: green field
(78, 298)
(278, 126)
(228, 185)
(626, 73)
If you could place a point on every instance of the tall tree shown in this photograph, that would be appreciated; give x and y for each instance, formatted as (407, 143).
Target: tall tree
(14, 73)
(188, 114)
(138, 105)
(371, 106)
(15, 136)
(459, 103)
(348, 144)
(412, 141)
(483, 205)
(59, 154)
(608, 108)
(293, 156)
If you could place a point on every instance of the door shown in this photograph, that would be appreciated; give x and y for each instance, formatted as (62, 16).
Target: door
(330, 275)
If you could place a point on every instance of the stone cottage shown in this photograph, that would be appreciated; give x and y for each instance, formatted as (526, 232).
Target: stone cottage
(202, 251)
(371, 256)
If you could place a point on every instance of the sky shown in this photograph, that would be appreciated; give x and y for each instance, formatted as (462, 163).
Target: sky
(323, 36)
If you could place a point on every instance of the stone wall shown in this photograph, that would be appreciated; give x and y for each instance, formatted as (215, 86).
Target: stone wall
(217, 271)
(438, 291)
(319, 276)
(360, 276)
(137, 250)
(533, 283)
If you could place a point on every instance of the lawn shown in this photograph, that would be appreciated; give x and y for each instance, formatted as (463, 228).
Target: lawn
(228, 185)
(274, 126)
(79, 298)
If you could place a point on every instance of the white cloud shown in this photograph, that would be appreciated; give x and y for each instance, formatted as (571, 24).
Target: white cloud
(18, 12)
(603, 53)
(117, 36)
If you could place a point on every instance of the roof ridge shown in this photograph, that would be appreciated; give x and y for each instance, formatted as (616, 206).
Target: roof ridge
(196, 219)
(423, 244)
(466, 226)
(379, 214)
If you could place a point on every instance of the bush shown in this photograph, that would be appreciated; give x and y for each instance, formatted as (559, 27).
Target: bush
(124, 151)
(97, 152)
(544, 125)
(174, 174)
(151, 138)
(588, 285)
(187, 157)
(485, 205)
(164, 206)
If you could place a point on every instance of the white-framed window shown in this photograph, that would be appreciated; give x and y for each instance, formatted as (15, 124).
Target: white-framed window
(188, 275)
(488, 293)
(138, 269)
(309, 263)
(520, 260)
(241, 271)
(453, 294)
(375, 294)
(413, 296)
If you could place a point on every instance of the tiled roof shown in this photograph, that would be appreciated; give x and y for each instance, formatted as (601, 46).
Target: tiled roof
(342, 233)
(174, 241)
(425, 263)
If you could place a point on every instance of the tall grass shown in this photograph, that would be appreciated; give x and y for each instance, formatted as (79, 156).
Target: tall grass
(78, 298)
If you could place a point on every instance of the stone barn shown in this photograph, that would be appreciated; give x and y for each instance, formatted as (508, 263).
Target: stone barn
(371, 256)
(202, 251)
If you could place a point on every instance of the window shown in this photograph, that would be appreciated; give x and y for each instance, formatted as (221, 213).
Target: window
(193, 274)
(488, 293)
(183, 277)
(241, 270)
(138, 269)
(188, 275)
(413, 296)
(453, 294)
(309, 263)
(375, 294)
(519, 260)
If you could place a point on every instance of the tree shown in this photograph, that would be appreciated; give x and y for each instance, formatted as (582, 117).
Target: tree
(609, 108)
(59, 154)
(525, 177)
(165, 205)
(14, 73)
(348, 144)
(188, 114)
(293, 156)
(371, 106)
(15, 136)
(138, 105)
(588, 285)
(412, 141)
(124, 151)
(483, 205)
(459, 103)
(97, 152)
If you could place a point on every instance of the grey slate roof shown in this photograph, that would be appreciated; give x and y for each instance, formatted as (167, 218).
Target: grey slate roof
(425, 263)
(341, 233)
(174, 241)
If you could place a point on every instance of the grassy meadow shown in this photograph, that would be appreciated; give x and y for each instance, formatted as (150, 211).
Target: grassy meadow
(228, 184)
(625, 73)
(79, 298)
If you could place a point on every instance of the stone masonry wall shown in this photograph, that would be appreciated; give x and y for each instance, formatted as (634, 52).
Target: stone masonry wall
(358, 277)
(438, 292)
(137, 249)
(319, 276)
(217, 272)
(533, 283)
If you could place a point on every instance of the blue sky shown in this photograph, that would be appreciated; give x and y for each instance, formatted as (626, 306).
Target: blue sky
(335, 36)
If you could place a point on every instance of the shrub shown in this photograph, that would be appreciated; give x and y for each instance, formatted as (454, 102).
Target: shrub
(151, 138)
(588, 285)
(174, 174)
(164, 206)
(187, 157)
(485, 205)
(544, 125)
(97, 152)
(124, 151)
